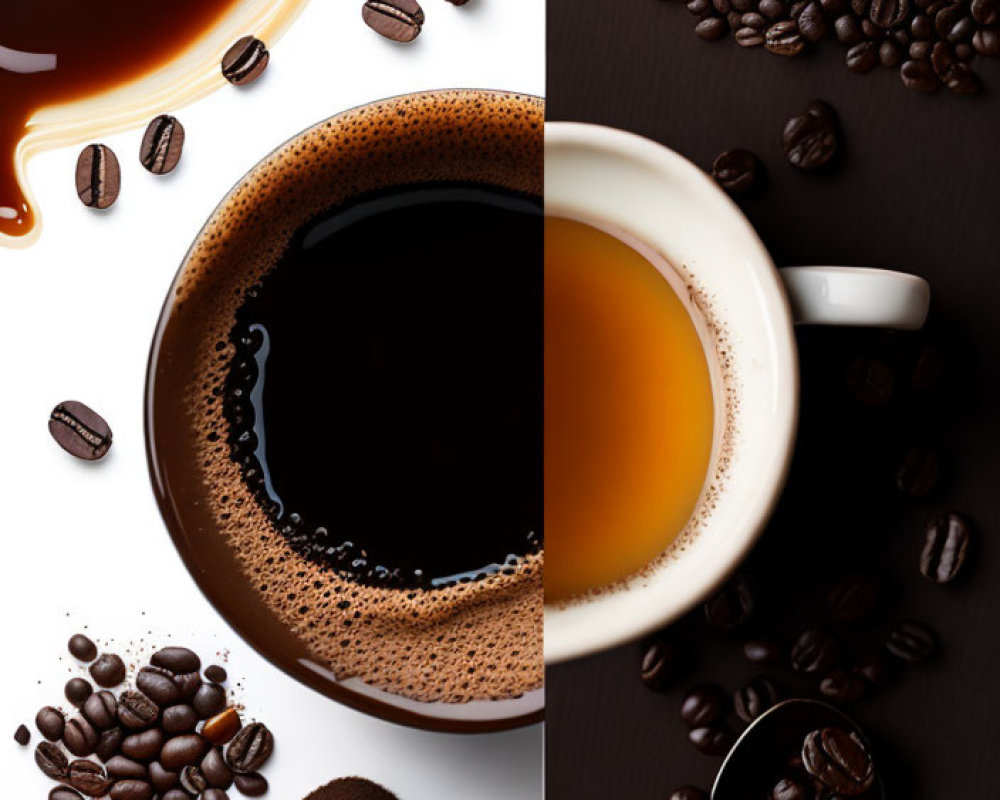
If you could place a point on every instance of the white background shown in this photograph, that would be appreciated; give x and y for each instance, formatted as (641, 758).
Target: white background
(82, 545)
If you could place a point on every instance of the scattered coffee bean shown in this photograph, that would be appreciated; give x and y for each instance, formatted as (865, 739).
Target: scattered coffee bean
(215, 769)
(919, 472)
(136, 711)
(158, 685)
(109, 670)
(919, 76)
(216, 674)
(853, 597)
(162, 144)
(732, 606)
(215, 794)
(399, 20)
(162, 779)
(250, 784)
(870, 381)
(810, 139)
(704, 705)
(842, 686)
(764, 650)
(839, 760)
(101, 710)
(793, 787)
(131, 789)
(79, 430)
(755, 697)
(122, 767)
(711, 741)
(659, 664)
(80, 737)
(784, 38)
(82, 649)
(209, 700)
(52, 761)
(250, 748)
(747, 36)
(862, 57)
(245, 61)
(815, 651)
(911, 641)
(711, 28)
(189, 683)
(88, 778)
(50, 723)
(946, 544)
(736, 171)
(192, 780)
(22, 735)
(77, 691)
(146, 745)
(177, 660)
(108, 743)
(176, 794)
(179, 719)
(182, 751)
(813, 22)
(221, 728)
(98, 176)
(875, 667)
(64, 793)
(684, 793)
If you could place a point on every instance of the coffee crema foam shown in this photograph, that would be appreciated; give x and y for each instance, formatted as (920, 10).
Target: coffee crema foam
(471, 641)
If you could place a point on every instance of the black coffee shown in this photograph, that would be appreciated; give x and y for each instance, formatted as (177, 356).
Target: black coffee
(385, 399)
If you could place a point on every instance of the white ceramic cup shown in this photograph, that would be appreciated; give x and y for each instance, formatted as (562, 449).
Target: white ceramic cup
(746, 310)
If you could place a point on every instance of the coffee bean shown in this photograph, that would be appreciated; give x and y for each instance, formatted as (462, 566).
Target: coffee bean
(732, 605)
(109, 670)
(918, 472)
(946, 544)
(919, 76)
(193, 781)
(161, 778)
(862, 57)
(82, 649)
(399, 20)
(711, 741)
(699, 7)
(911, 641)
(875, 668)
(77, 691)
(754, 21)
(145, 746)
(214, 794)
(182, 751)
(64, 793)
(221, 728)
(108, 743)
(176, 794)
(764, 650)
(89, 778)
(986, 41)
(245, 61)
(79, 430)
(958, 77)
(98, 176)
(755, 697)
(736, 170)
(131, 789)
(136, 711)
(793, 787)
(733, 18)
(815, 651)
(920, 51)
(985, 12)
(250, 784)
(215, 769)
(839, 760)
(101, 710)
(659, 664)
(888, 13)
(749, 37)
(869, 380)
(189, 683)
(784, 38)
(209, 700)
(216, 674)
(158, 685)
(704, 705)
(847, 29)
(50, 723)
(842, 686)
(22, 735)
(250, 748)
(123, 767)
(177, 660)
(80, 737)
(711, 28)
(162, 144)
(888, 54)
(179, 719)
(810, 139)
(51, 761)
(772, 9)
(853, 597)
(683, 793)
(813, 23)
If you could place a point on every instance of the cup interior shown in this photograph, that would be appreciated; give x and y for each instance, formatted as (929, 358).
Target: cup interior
(671, 211)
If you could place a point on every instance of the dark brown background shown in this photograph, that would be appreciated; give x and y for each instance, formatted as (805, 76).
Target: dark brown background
(917, 190)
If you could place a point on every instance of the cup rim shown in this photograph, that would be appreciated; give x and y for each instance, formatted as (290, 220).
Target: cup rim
(591, 638)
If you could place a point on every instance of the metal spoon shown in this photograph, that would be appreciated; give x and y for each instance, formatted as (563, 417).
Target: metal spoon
(748, 770)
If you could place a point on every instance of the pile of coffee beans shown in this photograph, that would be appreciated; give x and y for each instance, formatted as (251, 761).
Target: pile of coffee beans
(932, 43)
(172, 734)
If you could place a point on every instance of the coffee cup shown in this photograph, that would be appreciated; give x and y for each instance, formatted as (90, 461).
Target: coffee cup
(746, 311)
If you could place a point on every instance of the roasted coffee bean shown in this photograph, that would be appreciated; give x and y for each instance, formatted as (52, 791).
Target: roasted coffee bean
(22, 735)
(875, 667)
(144, 746)
(79, 430)
(918, 472)
(764, 650)
(755, 697)
(101, 710)
(109, 670)
(736, 171)
(754, 20)
(88, 777)
(784, 38)
(749, 37)
(842, 686)
(772, 9)
(80, 737)
(853, 597)
(810, 139)
(123, 767)
(52, 761)
(214, 794)
(722, 7)
(704, 705)
(815, 651)
(250, 748)
(182, 751)
(158, 685)
(732, 605)
(911, 641)
(176, 794)
(78, 690)
(216, 674)
(193, 781)
(209, 700)
(250, 784)
(161, 778)
(82, 649)
(793, 787)
(162, 144)
(215, 769)
(221, 728)
(813, 23)
(711, 28)
(699, 7)
(887, 13)
(986, 41)
(64, 793)
(179, 719)
(964, 52)
(946, 544)
(711, 741)
(50, 723)
(177, 660)
(985, 12)
(848, 29)
(245, 61)
(399, 20)
(958, 77)
(919, 76)
(922, 27)
(189, 683)
(683, 793)
(136, 711)
(108, 743)
(659, 664)
(946, 18)
(131, 789)
(888, 54)
(869, 380)
(920, 51)
(862, 57)
(98, 176)
(733, 18)
(839, 760)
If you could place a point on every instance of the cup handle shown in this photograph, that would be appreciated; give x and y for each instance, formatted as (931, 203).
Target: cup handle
(856, 296)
